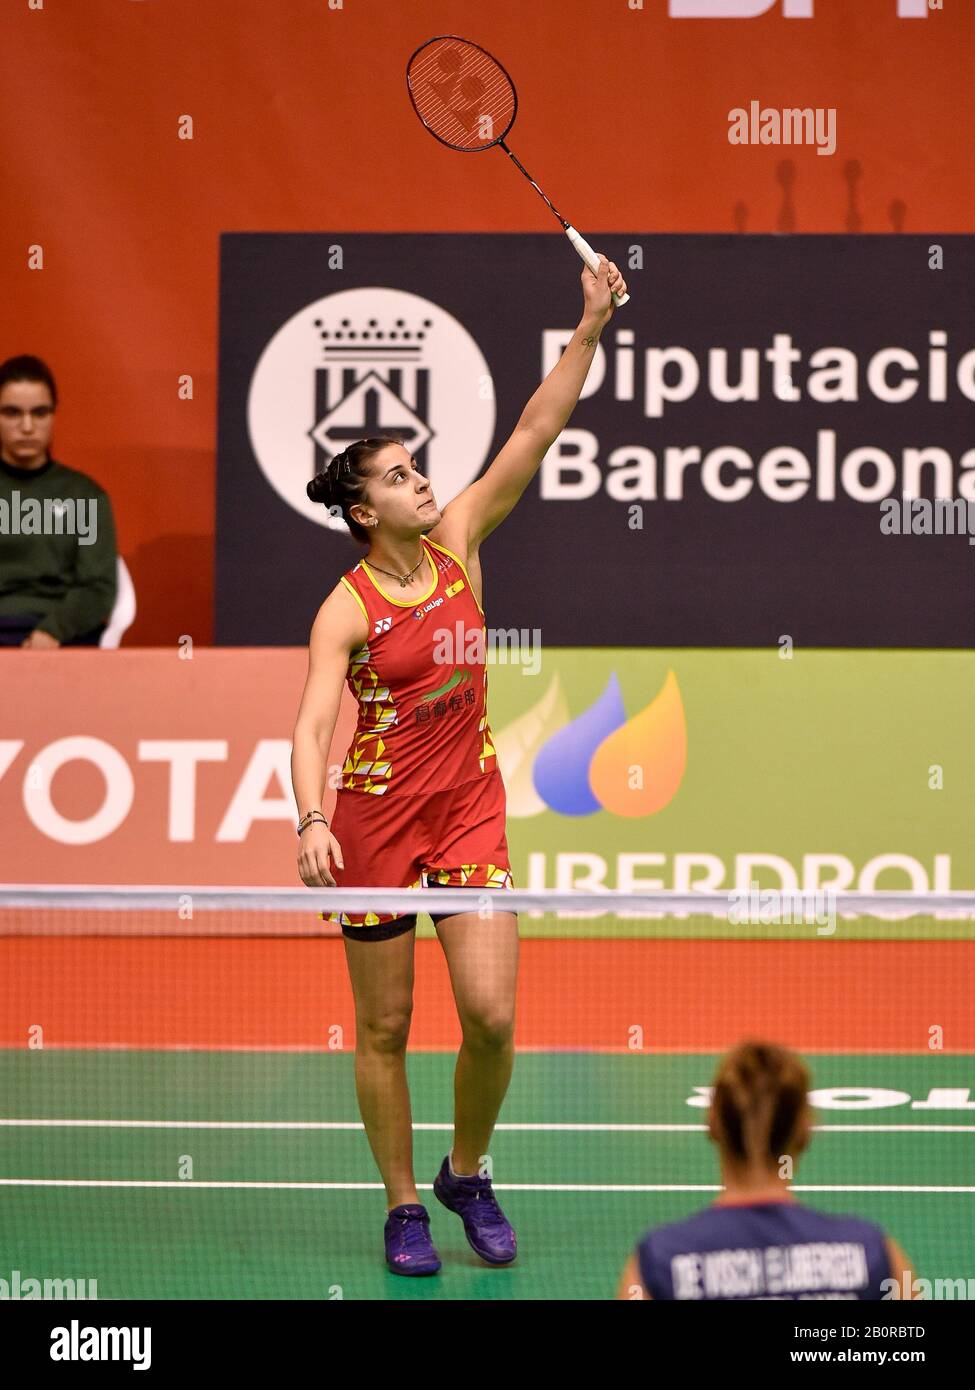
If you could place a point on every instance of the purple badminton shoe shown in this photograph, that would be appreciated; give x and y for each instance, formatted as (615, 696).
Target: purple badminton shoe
(409, 1249)
(488, 1230)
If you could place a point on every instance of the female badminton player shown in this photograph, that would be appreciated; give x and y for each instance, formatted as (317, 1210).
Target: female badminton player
(421, 795)
(756, 1240)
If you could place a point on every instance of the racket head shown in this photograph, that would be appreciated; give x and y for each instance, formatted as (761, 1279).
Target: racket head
(454, 85)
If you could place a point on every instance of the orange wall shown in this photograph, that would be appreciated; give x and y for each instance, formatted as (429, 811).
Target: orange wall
(302, 123)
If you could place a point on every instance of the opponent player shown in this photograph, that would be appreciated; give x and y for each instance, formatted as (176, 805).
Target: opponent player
(421, 794)
(756, 1241)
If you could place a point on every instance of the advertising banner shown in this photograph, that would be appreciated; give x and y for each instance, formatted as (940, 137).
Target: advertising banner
(775, 438)
(623, 769)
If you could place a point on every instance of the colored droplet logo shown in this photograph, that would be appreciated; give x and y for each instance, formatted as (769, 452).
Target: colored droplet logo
(598, 761)
(638, 767)
(561, 771)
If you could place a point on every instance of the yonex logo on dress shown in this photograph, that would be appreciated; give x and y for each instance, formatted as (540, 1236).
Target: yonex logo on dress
(383, 625)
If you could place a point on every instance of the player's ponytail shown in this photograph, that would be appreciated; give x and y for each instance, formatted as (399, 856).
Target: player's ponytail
(760, 1102)
(343, 482)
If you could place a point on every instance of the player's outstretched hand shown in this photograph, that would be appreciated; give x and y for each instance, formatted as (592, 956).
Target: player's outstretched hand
(598, 290)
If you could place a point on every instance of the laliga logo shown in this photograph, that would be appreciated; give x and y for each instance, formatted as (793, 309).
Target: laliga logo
(598, 761)
(364, 362)
(791, 9)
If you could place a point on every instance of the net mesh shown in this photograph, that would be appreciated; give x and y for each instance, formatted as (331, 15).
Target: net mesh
(179, 1114)
(461, 94)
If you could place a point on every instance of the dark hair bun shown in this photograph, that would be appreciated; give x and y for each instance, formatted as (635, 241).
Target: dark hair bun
(320, 488)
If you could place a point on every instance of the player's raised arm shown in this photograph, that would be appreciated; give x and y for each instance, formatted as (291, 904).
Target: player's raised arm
(485, 504)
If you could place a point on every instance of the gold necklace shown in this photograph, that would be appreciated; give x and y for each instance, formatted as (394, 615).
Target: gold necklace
(401, 577)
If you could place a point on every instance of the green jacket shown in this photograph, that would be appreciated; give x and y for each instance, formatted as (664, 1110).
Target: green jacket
(57, 548)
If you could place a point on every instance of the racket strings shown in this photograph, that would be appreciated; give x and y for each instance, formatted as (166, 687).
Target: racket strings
(461, 94)
(467, 101)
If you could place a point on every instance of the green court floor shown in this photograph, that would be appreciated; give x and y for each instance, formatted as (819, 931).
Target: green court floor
(187, 1239)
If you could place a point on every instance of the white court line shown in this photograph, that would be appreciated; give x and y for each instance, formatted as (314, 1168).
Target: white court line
(427, 1186)
(571, 1128)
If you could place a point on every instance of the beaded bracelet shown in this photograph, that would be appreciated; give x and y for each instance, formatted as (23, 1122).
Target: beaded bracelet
(311, 818)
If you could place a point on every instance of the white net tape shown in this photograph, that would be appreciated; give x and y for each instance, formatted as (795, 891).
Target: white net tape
(53, 909)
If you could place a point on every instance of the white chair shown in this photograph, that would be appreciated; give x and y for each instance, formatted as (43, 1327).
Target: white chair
(123, 613)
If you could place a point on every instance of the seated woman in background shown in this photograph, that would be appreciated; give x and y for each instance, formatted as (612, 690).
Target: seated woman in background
(57, 535)
(756, 1240)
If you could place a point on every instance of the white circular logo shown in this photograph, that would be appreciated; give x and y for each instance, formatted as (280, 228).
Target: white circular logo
(363, 362)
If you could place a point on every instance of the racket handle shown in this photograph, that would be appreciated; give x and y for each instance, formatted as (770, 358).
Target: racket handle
(591, 259)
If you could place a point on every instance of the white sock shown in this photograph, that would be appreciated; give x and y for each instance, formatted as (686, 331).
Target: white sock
(450, 1165)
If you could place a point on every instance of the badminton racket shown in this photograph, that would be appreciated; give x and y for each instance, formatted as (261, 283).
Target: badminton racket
(467, 101)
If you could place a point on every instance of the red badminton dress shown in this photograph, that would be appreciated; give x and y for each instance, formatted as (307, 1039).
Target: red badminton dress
(421, 790)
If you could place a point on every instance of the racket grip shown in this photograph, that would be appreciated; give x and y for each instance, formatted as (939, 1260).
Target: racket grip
(591, 259)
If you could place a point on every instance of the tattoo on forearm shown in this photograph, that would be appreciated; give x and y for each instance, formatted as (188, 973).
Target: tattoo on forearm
(590, 340)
